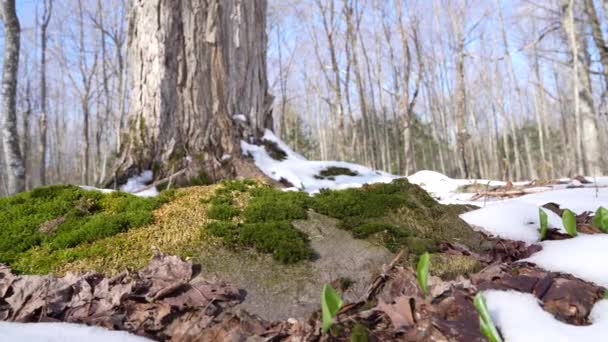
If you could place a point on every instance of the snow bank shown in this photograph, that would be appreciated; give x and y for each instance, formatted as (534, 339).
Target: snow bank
(301, 172)
(517, 218)
(520, 318)
(583, 256)
(445, 189)
(62, 332)
(513, 220)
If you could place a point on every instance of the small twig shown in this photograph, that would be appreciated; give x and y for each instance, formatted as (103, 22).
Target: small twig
(160, 181)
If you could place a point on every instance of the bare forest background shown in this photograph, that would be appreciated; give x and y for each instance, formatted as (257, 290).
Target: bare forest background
(470, 88)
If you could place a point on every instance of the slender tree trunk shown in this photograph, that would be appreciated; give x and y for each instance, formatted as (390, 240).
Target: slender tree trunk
(462, 134)
(46, 17)
(598, 37)
(25, 146)
(13, 159)
(588, 148)
(194, 65)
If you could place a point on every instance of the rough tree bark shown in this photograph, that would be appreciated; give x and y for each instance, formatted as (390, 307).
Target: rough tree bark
(12, 153)
(194, 65)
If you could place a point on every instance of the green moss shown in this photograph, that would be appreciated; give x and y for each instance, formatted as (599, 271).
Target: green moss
(61, 217)
(398, 215)
(222, 211)
(268, 204)
(274, 150)
(331, 172)
(372, 200)
(264, 223)
(449, 267)
(280, 238)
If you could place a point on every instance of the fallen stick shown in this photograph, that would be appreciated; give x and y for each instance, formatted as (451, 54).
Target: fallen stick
(160, 181)
(508, 193)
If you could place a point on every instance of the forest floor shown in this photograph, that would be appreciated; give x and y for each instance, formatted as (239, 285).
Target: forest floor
(252, 260)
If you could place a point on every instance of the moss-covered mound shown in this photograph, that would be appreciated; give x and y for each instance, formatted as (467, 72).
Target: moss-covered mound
(399, 215)
(59, 218)
(254, 215)
(64, 228)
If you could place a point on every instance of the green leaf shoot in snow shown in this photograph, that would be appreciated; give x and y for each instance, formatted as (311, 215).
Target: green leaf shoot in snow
(600, 219)
(544, 223)
(488, 329)
(569, 220)
(330, 304)
(422, 272)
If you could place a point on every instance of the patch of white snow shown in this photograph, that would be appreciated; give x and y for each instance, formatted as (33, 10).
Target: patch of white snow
(62, 332)
(137, 185)
(301, 172)
(517, 218)
(520, 318)
(583, 256)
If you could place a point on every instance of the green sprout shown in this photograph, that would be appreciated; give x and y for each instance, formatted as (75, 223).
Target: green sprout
(487, 327)
(422, 271)
(600, 219)
(544, 223)
(569, 220)
(330, 304)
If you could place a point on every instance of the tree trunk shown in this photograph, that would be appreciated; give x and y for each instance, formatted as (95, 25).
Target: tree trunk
(462, 134)
(46, 17)
(12, 153)
(588, 146)
(194, 64)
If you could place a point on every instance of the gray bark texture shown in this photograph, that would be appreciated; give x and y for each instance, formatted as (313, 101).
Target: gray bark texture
(194, 64)
(13, 159)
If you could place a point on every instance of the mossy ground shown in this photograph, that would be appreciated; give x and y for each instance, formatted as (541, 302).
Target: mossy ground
(398, 215)
(59, 218)
(448, 267)
(264, 223)
(64, 228)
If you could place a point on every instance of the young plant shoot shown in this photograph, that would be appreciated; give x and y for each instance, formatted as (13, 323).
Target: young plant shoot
(422, 271)
(569, 220)
(600, 219)
(488, 329)
(330, 304)
(544, 223)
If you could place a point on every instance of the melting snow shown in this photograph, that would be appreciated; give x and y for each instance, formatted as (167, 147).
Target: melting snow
(301, 172)
(583, 256)
(137, 185)
(517, 218)
(62, 332)
(513, 220)
(520, 318)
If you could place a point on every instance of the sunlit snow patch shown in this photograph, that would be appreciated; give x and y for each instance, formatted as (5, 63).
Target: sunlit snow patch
(517, 218)
(520, 318)
(301, 173)
(62, 332)
(583, 256)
